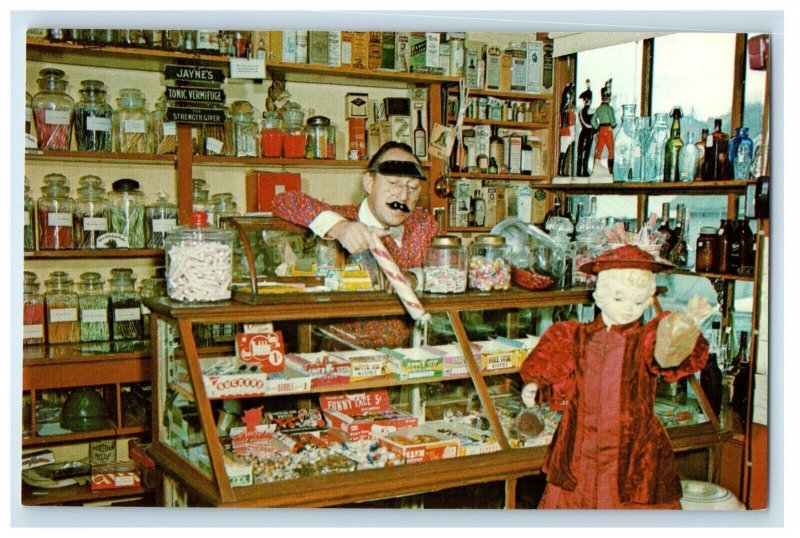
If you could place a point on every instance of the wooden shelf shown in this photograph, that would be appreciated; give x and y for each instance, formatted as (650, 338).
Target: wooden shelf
(76, 494)
(501, 123)
(692, 187)
(714, 276)
(250, 162)
(48, 155)
(523, 96)
(499, 177)
(103, 253)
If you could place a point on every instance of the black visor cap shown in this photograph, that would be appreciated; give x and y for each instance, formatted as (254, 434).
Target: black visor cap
(399, 168)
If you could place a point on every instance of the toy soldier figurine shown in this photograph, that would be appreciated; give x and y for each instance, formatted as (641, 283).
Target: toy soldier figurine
(587, 131)
(604, 122)
(567, 131)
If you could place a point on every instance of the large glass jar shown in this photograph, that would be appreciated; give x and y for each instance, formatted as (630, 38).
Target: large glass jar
(689, 160)
(126, 213)
(30, 138)
(165, 133)
(53, 110)
(93, 118)
(317, 137)
(91, 212)
(271, 136)
(215, 138)
(32, 310)
(445, 268)
(29, 229)
(489, 268)
(704, 253)
(246, 137)
(224, 206)
(199, 261)
(654, 151)
(160, 217)
(130, 122)
(55, 208)
(294, 134)
(200, 203)
(93, 309)
(62, 309)
(126, 305)
(624, 147)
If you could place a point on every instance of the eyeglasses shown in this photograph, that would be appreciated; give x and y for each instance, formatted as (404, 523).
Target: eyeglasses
(396, 186)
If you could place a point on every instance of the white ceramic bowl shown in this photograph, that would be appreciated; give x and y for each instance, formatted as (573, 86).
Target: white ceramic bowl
(699, 495)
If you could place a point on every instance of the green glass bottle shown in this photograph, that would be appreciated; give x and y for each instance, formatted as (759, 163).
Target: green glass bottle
(673, 147)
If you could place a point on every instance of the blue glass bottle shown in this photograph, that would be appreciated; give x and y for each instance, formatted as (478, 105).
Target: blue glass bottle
(654, 151)
(624, 145)
(733, 146)
(744, 155)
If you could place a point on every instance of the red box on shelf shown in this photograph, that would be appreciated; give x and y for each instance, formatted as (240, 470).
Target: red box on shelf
(118, 474)
(262, 187)
(360, 415)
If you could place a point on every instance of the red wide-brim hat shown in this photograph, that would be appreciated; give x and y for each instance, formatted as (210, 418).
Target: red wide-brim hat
(625, 257)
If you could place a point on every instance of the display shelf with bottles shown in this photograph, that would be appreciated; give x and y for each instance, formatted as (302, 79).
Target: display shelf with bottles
(107, 253)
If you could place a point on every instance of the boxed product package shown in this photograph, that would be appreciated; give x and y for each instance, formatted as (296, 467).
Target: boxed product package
(419, 444)
(364, 363)
(471, 440)
(240, 472)
(525, 345)
(226, 377)
(496, 355)
(37, 459)
(113, 475)
(414, 363)
(264, 349)
(296, 420)
(452, 357)
(261, 188)
(324, 367)
(363, 414)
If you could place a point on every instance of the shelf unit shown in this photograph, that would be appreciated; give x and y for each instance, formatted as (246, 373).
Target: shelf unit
(335, 489)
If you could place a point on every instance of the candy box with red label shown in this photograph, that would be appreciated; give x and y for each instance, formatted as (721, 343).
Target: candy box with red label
(296, 420)
(118, 474)
(240, 381)
(419, 444)
(495, 355)
(413, 363)
(261, 441)
(262, 349)
(471, 440)
(364, 363)
(324, 368)
(360, 415)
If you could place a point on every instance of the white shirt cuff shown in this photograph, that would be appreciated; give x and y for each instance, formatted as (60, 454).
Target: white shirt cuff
(417, 273)
(326, 220)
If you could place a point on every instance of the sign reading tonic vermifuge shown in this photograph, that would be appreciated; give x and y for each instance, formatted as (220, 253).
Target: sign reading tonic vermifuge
(203, 104)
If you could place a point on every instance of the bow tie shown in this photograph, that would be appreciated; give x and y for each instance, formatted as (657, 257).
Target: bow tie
(396, 233)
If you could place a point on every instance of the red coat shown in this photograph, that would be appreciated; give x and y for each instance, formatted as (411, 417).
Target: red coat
(610, 449)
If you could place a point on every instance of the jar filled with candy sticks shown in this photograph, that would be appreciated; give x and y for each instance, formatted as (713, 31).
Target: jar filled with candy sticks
(32, 311)
(131, 134)
(62, 309)
(93, 117)
(54, 211)
(53, 110)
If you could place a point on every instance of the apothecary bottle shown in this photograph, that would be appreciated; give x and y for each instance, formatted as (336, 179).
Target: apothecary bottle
(624, 145)
(317, 137)
(722, 247)
(246, 136)
(125, 304)
(199, 261)
(131, 134)
(93, 118)
(224, 206)
(32, 310)
(489, 268)
(62, 309)
(126, 213)
(689, 160)
(29, 228)
(744, 156)
(165, 133)
(93, 303)
(54, 211)
(271, 136)
(716, 154)
(445, 269)
(747, 242)
(159, 218)
(91, 213)
(53, 110)
(654, 152)
(705, 250)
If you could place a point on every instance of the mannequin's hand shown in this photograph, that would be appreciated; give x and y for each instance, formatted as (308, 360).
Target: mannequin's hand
(698, 309)
(676, 336)
(355, 236)
(529, 394)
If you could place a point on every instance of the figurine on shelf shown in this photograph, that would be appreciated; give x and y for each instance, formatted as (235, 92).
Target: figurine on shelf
(610, 449)
(277, 96)
(604, 123)
(567, 130)
(587, 131)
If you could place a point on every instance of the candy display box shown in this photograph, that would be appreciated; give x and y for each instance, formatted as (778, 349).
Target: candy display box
(226, 377)
(113, 475)
(323, 367)
(497, 355)
(452, 357)
(363, 415)
(414, 363)
(364, 363)
(471, 440)
(420, 443)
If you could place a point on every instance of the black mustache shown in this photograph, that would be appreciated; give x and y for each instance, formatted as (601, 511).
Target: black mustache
(399, 205)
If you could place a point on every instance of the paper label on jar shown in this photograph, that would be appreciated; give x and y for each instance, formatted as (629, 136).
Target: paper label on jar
(127, 314)
(169, 129)
(59, 219)
(30, 141)
(58, 315)
(94, 123)
(95, 224)
(163, 225)
(27, 219)
(213, 145)
(33, 331)
(94, 315)
(133, 126)
(57, 117)
(28, 114)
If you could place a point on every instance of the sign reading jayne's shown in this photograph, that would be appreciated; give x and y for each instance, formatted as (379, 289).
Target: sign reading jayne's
(193, 73)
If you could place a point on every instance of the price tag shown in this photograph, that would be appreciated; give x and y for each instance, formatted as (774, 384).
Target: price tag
(95, 224)
(27, 218)
(213, 145)
(163, 225)
(33, 331)
(98, 124)
(169, 128)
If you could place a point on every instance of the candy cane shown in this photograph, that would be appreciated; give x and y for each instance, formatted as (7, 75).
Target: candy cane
(395, 276)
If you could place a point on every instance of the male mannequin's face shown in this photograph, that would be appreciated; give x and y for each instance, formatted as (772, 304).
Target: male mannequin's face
(382, 190)
(623, 294)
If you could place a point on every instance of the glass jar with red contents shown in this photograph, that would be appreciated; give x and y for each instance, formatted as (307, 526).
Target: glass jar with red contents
(52, 110)
(54, 210)
(294, 133)
(32, 310)
(271, 136)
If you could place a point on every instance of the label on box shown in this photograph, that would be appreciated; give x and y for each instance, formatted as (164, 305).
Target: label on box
(58, 315)
(59, 219)
(59, 117)
(95, 315)
(127, 314)
(133, 126)
(263, 349)
(95, 224)
(93, 123)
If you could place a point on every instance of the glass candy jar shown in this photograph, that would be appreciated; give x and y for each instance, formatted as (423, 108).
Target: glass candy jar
(271, 136)
(29, 229)
(53, 110)
(91, 213)
(55, 208)
(624, 147)
(224, 206)
(199, 261)
(489, 268)
(200, 203)
(93, 309)
(126, 305)
(62, 309)
(294, 133)
(126, 213)
(654, 152)
(245, 130)
(445, 268)
(32, 310)
(130, 122)
(165, 133)
(159, 218)
(93, 118)
(30, 139)
(317, 137)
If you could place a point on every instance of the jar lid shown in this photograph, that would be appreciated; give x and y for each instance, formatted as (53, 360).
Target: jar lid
(198, 182)
(125, 185)
(241, 107)
(318, 121)
(58, 278)
(90, 181)
(91, 279)
(91, 192)
(51, 72)
(490, 240)
(93, 84)
(708, 230)
(446, 241)
(162, 201)
(55, 179)
(29, 277)
(122, 271)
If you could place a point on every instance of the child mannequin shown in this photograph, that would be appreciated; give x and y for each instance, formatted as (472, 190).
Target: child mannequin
(610, 450)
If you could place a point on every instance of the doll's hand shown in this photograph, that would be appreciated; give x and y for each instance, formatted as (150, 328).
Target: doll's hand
(528, 394)
(676, 336)
(355, 236)
(698, 309)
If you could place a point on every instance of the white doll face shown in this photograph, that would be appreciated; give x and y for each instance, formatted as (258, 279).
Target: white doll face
(624, 294)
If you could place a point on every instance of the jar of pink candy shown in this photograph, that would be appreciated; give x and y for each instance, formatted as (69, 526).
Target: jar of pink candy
(489, 268)
(445, 268)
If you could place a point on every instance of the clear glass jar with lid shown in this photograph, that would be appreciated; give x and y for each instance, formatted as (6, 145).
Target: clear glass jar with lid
(91, 212)
(126, 305)
(62, 309)
(200, 203)
(271, 136)
(52, 110)
(160, 217)
(93, 118)
(29, 229)
(488, 267)
(30, 138)
(165, 133)
(199, 261)
(131, 134)
(246, 136)
(216, 138)
(32, 310)
(445, 269)
(224, 206)
(126, 213)
(317, 137)
(93, 304)
(54, 211)
(294, 133)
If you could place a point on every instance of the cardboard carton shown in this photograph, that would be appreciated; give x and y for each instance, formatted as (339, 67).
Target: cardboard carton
(364, 414)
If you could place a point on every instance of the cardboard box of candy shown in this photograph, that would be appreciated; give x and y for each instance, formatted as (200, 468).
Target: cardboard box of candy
(420, 443)
(414, 363)
(117, 474)
(364, 414)
(296, 420)
(240, 472)
(226, 378)
(525, 345)
(324, 368)
(471, 440)
(453, 358)
(496, 355)
(364, 363)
